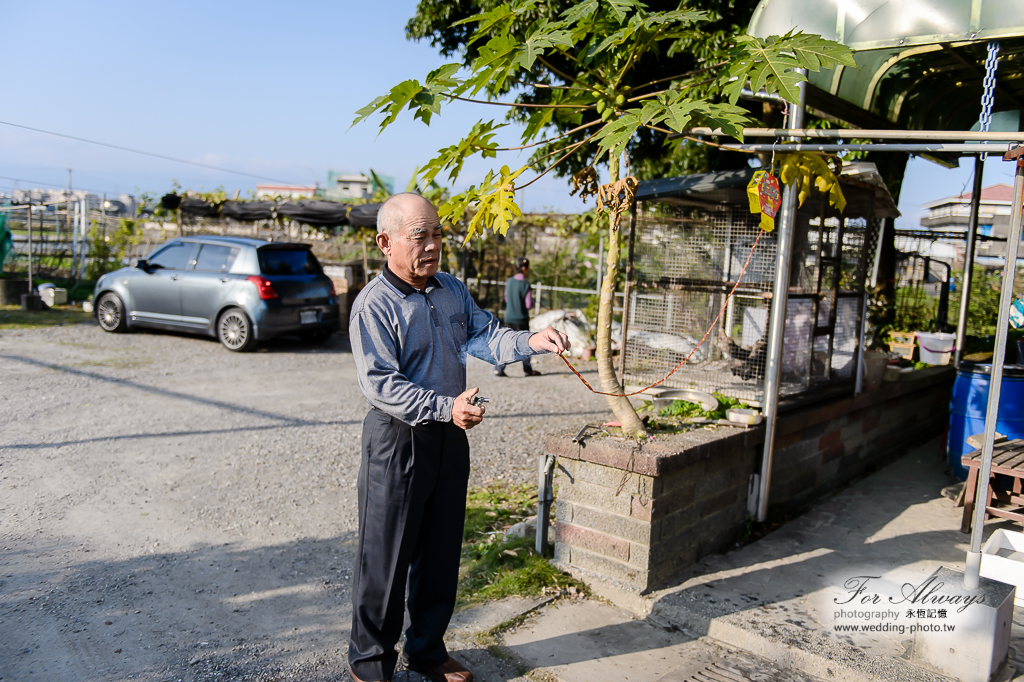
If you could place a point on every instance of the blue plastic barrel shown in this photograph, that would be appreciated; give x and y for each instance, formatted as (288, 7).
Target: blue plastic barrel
(969, 403)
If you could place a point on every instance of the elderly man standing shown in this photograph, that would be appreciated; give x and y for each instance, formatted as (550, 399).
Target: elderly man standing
(410, 330)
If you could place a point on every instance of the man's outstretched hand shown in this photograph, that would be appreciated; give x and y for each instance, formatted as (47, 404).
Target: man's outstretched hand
(551, 340)
(464, 414)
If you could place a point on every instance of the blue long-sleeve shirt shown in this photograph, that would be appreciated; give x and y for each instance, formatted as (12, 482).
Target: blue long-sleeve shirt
(410, 346)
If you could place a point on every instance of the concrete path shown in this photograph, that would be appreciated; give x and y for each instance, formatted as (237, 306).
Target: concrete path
(768, 610)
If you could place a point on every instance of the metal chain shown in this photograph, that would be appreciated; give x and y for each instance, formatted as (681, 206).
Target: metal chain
(988, 96)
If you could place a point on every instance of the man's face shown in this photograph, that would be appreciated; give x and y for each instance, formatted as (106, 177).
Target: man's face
(414, 252)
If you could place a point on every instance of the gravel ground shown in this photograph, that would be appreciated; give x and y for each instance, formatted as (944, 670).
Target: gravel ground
(173, 511)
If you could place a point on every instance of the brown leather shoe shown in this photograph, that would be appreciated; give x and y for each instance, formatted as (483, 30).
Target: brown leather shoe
(356, 679)
(449, 671)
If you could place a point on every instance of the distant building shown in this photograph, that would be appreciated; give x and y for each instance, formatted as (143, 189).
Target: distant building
(116, 204)
(290, 191)
(342, 186)
(952, 214)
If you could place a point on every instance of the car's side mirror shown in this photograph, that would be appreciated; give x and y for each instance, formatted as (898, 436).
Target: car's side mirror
(142, 264)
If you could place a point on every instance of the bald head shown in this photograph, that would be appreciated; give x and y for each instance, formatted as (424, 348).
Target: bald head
(409, 234)
(398, 208)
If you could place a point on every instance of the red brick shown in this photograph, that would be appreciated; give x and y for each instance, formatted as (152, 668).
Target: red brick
(829, 439)
(831, 453)
(591, 540)
(787, 440)
(841, 407)
(641, 508)
(870, 423)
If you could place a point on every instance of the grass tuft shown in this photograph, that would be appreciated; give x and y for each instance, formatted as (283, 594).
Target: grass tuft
(13, 317)
(493, 568)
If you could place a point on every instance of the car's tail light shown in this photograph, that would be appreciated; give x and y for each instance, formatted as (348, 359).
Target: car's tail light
(331, 291)
(263, 287)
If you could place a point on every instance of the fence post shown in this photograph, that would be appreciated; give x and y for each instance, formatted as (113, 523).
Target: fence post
(28, 222)
(82, 247)
(74, 238)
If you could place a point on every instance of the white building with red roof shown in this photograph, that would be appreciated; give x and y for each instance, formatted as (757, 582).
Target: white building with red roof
(289, 191)
(952, 214)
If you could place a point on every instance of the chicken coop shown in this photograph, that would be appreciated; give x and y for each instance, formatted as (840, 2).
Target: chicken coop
(689, 240)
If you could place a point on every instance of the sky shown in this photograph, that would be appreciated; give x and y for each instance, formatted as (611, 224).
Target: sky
(269, 89)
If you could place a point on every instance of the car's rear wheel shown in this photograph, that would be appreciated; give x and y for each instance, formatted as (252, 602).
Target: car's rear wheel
(110, 313)
(234, 330)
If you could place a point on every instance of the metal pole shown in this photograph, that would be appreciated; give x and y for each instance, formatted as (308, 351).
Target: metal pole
(545, 497)
(81, 251)
(972, 237)
(859, 382)
(912, 148)
(730, 311)
(972, 575)
(29, 222)
(74, 239)
(67, 205)
(777, 325)
(848, 133)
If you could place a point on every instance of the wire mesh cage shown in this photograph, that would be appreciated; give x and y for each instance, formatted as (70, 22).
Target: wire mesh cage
(693, 240)
(922, 293)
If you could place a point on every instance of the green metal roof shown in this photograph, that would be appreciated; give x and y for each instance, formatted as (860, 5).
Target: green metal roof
(921, 62)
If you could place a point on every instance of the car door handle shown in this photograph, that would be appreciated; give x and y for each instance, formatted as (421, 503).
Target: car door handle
(174, 278)
(224, 279)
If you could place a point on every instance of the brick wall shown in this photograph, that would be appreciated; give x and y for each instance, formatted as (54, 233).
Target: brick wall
(636, 515)
(821, 448)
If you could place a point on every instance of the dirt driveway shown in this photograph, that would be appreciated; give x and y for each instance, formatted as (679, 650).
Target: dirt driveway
(172, 511)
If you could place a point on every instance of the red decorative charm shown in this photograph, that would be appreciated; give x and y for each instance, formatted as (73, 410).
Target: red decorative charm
(768, 193)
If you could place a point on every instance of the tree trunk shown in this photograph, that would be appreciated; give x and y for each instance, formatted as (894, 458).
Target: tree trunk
(621, 407)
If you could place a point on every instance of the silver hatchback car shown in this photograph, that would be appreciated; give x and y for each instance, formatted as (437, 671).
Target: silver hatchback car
(238, 290)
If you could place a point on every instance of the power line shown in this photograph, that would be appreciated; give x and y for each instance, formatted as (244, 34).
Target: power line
(144, 153)
(51, 185)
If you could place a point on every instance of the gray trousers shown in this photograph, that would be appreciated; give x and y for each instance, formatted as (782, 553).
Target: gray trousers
(412, 505)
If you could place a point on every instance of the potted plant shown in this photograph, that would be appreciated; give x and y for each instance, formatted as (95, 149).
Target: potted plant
(903, 343)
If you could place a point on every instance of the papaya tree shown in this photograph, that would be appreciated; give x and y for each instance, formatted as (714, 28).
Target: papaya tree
(577, 84)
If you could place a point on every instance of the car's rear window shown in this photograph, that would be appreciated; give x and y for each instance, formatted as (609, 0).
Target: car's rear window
(288, 262)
